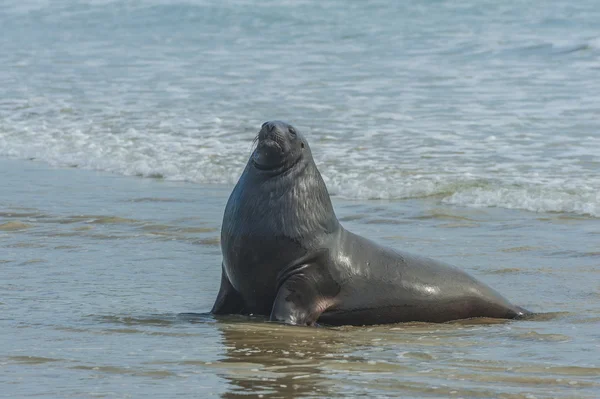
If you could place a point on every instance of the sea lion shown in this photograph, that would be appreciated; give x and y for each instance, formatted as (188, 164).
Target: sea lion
(286, 256)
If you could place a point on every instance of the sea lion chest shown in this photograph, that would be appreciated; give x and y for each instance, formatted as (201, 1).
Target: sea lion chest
(261, 235)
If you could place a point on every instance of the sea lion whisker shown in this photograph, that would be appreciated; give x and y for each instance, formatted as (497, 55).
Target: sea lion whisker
(254, 143)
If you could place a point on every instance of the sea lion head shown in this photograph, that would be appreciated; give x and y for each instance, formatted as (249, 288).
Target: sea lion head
(280, 146)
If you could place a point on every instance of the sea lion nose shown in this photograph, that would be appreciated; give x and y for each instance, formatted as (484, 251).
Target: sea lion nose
(268, 126)
(265, 130)
(270, 130)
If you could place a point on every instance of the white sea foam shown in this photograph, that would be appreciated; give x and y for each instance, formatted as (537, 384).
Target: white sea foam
(355, 174)
(585, 202)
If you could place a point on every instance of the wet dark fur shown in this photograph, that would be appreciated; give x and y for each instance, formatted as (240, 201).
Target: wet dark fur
(285, 255)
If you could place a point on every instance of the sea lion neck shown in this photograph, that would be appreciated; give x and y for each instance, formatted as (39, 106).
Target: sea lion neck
(291, 204)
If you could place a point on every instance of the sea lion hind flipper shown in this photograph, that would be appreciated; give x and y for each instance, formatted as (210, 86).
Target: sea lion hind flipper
(521, 313)
(228, 301)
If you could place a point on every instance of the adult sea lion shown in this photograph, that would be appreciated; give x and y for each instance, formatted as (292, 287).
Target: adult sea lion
(285, 255)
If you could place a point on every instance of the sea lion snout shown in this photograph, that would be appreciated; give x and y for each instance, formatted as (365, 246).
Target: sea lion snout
(275, 130)
(279, 147)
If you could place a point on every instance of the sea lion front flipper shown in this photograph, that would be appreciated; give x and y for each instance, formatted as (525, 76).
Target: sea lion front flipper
(228, 301)
(303, 296)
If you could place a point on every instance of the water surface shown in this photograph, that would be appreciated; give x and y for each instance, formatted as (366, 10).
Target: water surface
(479, 103)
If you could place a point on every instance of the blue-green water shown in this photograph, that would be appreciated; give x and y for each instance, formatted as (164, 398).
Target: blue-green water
(465, 131)
(480, 103)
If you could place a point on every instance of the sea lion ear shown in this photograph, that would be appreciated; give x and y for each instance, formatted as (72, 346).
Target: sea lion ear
(302, 144)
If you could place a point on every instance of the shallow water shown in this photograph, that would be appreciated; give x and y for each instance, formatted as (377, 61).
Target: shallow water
(98, 271)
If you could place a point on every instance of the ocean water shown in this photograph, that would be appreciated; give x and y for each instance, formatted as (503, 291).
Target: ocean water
(465, 131)
(478, 103)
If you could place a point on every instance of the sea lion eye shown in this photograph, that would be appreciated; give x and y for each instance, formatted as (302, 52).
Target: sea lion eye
(292, 131)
